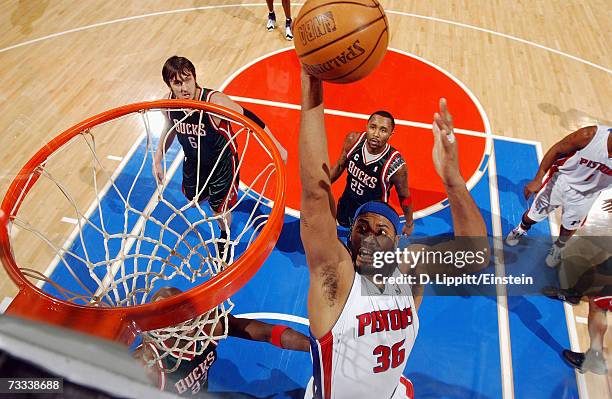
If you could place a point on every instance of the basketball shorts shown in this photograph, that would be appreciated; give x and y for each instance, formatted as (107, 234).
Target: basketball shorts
(557, 193)
(221, 191)
(404, 390)
(604, 302)
(346, 211)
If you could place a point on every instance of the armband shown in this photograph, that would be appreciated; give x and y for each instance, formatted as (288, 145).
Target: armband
(254, 118)
(277, 332)
(406, 201)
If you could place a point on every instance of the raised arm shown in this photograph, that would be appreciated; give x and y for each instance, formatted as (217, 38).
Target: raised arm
(573, 142)
(331, 268)
(340, 165)
(400, 180)
(224, 100)
(467, 220)
(468, 225)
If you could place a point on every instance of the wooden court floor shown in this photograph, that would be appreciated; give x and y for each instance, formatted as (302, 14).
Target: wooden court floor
(539, 68)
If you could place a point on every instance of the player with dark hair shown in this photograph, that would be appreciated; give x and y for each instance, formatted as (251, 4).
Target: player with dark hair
(207, 144)
(191, 376)
(363, 329)
(373, 168)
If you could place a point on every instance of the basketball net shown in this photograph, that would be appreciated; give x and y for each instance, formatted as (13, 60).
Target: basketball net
(124, 248)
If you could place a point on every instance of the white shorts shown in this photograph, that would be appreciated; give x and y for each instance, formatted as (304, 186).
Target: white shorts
(556, 192)
(404, 390)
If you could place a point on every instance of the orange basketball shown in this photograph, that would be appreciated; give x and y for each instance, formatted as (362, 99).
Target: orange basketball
(341, 41)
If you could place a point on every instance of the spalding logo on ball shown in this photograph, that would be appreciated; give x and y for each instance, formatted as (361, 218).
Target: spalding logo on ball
(341, 41)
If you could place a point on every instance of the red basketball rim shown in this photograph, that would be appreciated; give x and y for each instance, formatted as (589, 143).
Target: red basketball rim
(121, 323)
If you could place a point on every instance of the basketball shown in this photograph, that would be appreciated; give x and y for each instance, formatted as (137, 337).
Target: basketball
(340, 41)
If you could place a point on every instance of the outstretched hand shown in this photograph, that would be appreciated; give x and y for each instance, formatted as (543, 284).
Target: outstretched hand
(531, 188)
(445, 154)
(607, 205)
(158, 172)
(408, 229)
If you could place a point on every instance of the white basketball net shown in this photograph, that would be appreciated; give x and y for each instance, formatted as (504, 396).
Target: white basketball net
(121, 250)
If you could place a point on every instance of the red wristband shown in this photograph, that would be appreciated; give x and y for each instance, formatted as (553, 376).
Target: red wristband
(277, 332)
(407, 201)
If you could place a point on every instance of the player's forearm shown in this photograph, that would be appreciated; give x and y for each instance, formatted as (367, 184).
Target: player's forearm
(549, 159)
(256, 330)
(400, 182)
(336, 172)
(408, 213)
(274, 140)
(277, 143)
(314, 160)
(165, 141)
(467, 219)
(469, 229)
(293, 340)
(159, 155)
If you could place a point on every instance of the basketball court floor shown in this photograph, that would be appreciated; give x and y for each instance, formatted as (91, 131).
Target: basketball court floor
(516, 80)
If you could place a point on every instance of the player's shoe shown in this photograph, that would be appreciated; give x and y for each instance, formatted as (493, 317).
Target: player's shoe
(554, 255)
(589, 361)
(515, 235)
(561, 294)
(271, 21)
(288, 32)
(595, 362)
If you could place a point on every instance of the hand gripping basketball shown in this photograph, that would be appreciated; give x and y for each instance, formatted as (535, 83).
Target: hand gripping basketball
(341, 41)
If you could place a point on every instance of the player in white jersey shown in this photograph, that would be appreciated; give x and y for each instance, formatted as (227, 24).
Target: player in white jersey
(360, 337)
(577, 169)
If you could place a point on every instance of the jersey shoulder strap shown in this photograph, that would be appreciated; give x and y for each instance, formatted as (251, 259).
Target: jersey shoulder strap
(356, 146)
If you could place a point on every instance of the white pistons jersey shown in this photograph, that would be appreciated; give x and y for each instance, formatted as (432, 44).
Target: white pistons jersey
(589, 170)
(365, 353)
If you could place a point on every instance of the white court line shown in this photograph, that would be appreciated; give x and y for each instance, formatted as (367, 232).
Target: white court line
(70, 220)
(275, 316)
(503, 322)
(125, 19)
(401, 122)
(114, 158)
(5, 304)
(406, 14)
(569, 310)
(582, 320)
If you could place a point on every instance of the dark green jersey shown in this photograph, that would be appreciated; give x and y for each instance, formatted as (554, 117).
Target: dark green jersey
(368, 178)
(190, 379)
(198, 133)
